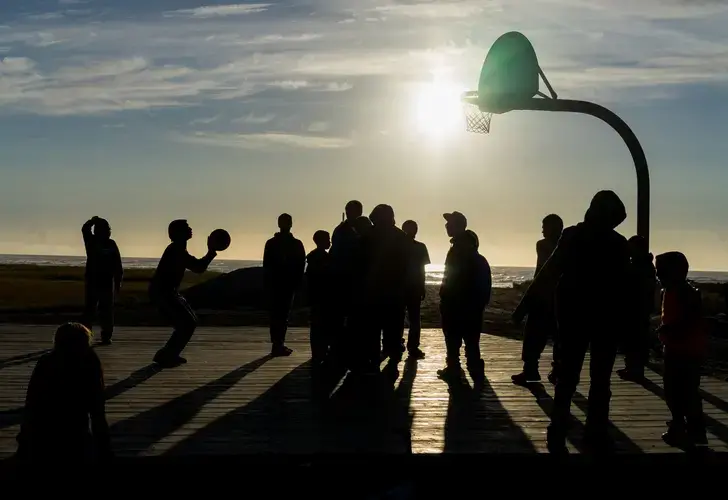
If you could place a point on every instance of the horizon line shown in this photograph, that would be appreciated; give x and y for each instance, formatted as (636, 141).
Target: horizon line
(261, 260)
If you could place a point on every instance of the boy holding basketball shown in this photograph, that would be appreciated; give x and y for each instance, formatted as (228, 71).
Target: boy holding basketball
(164, 289)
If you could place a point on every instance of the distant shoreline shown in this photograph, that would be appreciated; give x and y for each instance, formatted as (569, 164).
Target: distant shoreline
(503, 276)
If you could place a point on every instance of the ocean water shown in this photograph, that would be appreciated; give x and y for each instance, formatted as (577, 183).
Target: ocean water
(503, 277)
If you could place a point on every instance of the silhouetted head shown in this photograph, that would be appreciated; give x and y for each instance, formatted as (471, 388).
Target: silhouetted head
(410, 228)
(354, 209)
(179, 231)
(102, 229)
(551, 227)
(472, 238)
(638, 247)
(72, 338)
(285, 223)
(382, 215)
(672, 268)
(606, 210)
(455, 224)
(362, 225)
(322, 239)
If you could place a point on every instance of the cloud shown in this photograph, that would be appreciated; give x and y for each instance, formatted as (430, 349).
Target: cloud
(253, 119)
(204, 121)
(121, 65)
(432, 10)
(266, 141)
(318, 127)
(220, 10)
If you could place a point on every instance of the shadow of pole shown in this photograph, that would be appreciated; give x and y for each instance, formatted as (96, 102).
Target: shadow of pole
(136, 434)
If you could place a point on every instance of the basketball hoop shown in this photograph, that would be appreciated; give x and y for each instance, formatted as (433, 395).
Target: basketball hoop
(476, 121)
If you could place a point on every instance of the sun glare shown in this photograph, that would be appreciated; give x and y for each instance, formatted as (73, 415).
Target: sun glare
(438, 111)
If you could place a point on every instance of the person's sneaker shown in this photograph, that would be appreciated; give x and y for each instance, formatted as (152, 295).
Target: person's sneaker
(698, 437)
(451, 372)
(281, 351)
(556, 441)
(169, 361)
(416, 353)
(631, 375)
(598, 442)
(105, 341)
(525, 377)
(675, 435)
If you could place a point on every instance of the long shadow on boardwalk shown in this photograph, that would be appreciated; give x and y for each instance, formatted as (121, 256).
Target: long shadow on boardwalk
(8, 418)
(134, 435)
(477, 422)
(137, 378)
(715, 427)
(365, 415)
(23, 358)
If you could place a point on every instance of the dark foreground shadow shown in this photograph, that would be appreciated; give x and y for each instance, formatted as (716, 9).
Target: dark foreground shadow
(715, 427)
(134, 435)
(477, 422)
(135, 379)
(363, 415)
(23, 358)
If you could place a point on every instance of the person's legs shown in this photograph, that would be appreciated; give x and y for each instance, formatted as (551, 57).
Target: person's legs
(452, 330)
(414, 306)
(694, 404)
(573, 345)
(184, 320)
(534, 343)
(471, 337)
(393, 330)
(106, 311)
(317, 334)
(673, 380)
(603, 354)
(91, 301)
(280, 309)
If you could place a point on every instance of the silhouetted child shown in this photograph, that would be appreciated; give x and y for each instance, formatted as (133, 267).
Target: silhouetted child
(684, 336)
(541, 322)
(319, 278)
(636, 344)
(164, 291)
(104, 273)
(418, 258)
(65, 393)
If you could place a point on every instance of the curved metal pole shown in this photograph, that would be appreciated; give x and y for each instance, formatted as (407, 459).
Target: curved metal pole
(634, 146)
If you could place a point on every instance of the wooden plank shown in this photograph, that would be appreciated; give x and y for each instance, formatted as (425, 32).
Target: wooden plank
(232, 398)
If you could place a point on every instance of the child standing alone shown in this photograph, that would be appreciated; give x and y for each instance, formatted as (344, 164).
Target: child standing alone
(684, 336)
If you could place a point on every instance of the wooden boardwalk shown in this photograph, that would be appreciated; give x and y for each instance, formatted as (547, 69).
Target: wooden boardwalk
(232, 399)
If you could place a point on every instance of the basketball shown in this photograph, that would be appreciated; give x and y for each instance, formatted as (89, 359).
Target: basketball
(220, 240)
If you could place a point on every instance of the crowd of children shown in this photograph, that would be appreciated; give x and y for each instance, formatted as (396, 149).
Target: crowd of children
(593, 290)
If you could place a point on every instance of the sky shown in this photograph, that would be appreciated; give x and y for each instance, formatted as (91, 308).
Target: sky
(228, 114)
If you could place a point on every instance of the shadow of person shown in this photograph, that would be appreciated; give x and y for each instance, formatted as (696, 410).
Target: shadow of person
(21, 359)
(134, 435)
(135, 379)
(477, 422)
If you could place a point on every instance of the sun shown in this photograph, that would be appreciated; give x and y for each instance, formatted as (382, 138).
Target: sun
(438, 110)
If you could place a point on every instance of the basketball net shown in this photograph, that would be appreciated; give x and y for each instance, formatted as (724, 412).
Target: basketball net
(476, 121)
